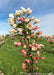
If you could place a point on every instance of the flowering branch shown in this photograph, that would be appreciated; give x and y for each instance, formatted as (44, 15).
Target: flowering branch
(22, 25)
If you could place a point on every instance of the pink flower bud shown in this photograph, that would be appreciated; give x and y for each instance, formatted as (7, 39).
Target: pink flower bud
(29, 73)
(36, 68)
(38, 26)
(42, 58)
(24, 32)
(38, 36)
(36, 61)
(40, 32)
(18, 19)
(21, 44)
(30, 12)
(24, 55)
(28, 37)
(30, 55)
(22, 19)
(24, 70)
(34, 58)
(22, 51)
(37, 45)
(35, 28)
(26, 20)
(32, 18)
(23, 65)
(30, 45)
(34, 54)
(37, 57)
(32, 34)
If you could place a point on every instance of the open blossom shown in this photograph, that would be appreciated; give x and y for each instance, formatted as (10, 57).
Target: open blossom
(14, 25)
(36, 20)
(18, 12)
(32, 18)
(24, 46)
(19, 43)
(34, 48)
(38, 53)
(28, 9)
(11, 16)
(41, 45)
(11, 21)
(30, 12)
(26, 20)
(30, 26)
(23, 65)
(38, 26)
(24, 10)
(12, 31)
(19, 29)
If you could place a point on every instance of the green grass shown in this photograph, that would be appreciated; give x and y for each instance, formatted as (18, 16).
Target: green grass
(11, 60)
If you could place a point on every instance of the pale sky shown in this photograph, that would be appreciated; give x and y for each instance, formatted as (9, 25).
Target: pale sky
(42, 9)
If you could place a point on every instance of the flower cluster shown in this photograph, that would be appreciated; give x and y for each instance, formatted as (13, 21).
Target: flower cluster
(30, 49)
(49, 38)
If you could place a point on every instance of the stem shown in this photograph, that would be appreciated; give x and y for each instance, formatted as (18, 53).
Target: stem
(32, 63)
